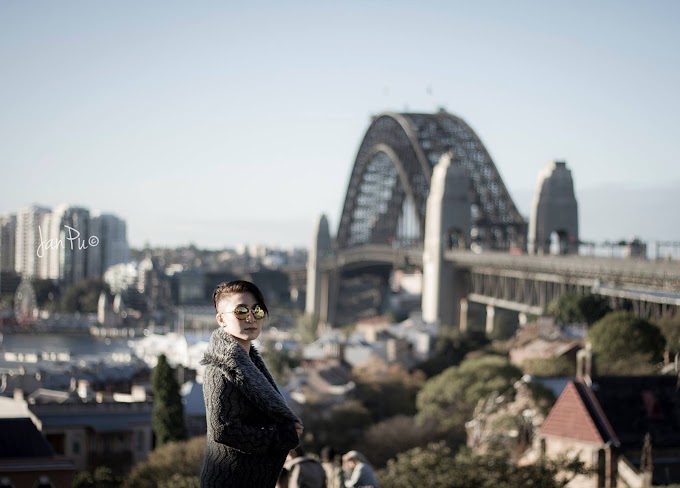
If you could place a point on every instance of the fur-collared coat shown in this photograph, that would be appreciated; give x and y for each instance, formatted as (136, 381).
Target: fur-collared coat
(250, 427)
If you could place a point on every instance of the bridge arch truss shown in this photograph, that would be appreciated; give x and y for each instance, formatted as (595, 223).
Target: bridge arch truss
(387, 193)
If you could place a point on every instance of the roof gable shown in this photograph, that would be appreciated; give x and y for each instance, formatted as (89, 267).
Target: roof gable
(19, 438)
(570, 418)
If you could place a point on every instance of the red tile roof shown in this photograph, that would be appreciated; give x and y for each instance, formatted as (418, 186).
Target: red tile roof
(571, 419)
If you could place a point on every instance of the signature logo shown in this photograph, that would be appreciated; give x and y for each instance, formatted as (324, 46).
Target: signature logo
(73, 238)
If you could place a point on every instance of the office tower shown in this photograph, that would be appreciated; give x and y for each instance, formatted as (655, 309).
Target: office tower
(112, 233)
(75, 234)
(66, 241)
(28, 240)
(8, 227)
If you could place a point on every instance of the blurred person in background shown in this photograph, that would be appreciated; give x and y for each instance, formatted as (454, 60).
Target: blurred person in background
(332, 467)
(358, 473)
(304, 471)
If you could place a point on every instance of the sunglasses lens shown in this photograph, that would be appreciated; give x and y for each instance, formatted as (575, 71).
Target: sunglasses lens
(241, 313)
(258, 312)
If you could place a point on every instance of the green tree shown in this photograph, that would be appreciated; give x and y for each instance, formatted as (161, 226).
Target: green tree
(670, 328)
(306, 327)
(176, 464)
(593, 308)
(7, 302)
(573, 308)
(621, 338)
(168, 411)
(450, 398)
(451, 349)
(279, 361)
(560, 366)
(83, 296)
(101, 477)
(342, 425)
(46, 292)
(386, 390)
(435, 465)
(400, 433)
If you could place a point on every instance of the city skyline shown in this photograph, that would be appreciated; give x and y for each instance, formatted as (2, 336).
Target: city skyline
(158, 113)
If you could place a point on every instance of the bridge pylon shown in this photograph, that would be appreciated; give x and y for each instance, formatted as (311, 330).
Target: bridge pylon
(319, 283)
(554, 210)
(448, 222)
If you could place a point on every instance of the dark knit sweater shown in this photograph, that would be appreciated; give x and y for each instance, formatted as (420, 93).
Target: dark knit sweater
(250, 427)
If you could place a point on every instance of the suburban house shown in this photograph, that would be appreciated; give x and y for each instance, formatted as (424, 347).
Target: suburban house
(627, 428)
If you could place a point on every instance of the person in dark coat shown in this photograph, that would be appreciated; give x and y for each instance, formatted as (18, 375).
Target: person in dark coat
(304, 471)
(250, 427)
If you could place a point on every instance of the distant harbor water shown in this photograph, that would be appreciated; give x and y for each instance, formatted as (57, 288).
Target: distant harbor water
(78, 345)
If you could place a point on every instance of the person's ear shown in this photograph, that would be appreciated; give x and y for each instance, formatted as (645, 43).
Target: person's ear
(220, 319)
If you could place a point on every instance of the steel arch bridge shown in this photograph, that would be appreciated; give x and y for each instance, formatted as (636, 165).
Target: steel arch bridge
(387, 192)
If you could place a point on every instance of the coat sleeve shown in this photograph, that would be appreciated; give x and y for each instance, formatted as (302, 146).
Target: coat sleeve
(225, 407)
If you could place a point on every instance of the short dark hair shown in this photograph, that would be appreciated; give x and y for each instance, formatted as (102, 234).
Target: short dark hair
(239, 286)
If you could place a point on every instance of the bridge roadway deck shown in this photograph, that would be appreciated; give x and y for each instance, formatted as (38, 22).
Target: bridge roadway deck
(625, 272)
(662, 276)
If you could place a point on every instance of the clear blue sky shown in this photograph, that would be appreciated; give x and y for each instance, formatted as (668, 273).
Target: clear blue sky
(220, 123)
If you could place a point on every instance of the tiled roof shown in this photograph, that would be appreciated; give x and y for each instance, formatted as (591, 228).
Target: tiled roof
(19, 438)
(636, 405)
(570, 418)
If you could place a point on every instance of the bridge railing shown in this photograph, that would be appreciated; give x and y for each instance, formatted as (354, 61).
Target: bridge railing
(619, 270)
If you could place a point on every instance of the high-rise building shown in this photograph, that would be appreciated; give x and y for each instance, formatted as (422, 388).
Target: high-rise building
(8, 230)
(28, 239)
(74, 233)
(112, 234)
(66, 244)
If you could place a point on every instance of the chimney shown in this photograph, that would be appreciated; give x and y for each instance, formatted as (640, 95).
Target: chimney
(585, 364)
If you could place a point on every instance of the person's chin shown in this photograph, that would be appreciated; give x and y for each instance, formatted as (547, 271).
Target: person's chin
(252, 334)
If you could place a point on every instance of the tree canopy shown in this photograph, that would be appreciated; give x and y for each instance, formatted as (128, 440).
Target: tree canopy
(101, 477)
(435, 465)
(168, 411)
(670, 328)
(451, 349)
(386, 390)
(573, 308)
(176, 464)
(83, 296)
(450, 398)
(621, 336)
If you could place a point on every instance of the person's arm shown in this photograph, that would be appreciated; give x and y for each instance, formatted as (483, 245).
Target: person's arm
(294, 476)
(224, 413)
(354, 478)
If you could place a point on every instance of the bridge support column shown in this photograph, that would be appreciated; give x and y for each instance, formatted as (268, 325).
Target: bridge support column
(490, 315)
(327, 298)
(321, 245)
(447, 214)
(463, 321)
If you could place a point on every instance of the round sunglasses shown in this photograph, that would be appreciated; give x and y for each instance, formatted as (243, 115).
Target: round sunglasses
(241, 312)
